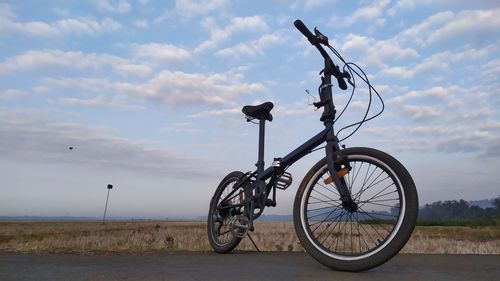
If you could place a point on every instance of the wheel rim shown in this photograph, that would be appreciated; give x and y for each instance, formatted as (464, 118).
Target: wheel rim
(352, 236)
(220, 222)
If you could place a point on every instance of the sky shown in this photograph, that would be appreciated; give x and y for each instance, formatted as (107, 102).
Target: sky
(149, 95)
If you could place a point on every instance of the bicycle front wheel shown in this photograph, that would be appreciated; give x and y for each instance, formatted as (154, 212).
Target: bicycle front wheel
(387, 206)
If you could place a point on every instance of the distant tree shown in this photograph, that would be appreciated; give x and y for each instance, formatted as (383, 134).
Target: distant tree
(496, 203)
(459, 210)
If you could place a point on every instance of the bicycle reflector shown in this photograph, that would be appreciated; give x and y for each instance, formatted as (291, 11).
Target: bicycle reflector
(340, 174)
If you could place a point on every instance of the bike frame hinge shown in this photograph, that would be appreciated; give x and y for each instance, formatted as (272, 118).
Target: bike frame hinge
(277, 163)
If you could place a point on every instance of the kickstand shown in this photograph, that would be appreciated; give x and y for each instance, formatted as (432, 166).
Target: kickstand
(253, 242)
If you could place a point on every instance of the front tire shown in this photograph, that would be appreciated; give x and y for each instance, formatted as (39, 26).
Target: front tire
(372, 234)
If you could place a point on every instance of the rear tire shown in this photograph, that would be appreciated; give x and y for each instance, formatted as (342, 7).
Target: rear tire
(368, 237)
(218, 223)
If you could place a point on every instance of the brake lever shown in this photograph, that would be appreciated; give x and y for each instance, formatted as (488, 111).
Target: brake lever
(346, 74)
(340, 78)
(321, 37)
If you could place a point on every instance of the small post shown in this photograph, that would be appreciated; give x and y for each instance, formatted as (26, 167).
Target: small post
(110, 186)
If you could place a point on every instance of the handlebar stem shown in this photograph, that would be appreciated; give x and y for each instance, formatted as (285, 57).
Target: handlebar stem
(325, 94)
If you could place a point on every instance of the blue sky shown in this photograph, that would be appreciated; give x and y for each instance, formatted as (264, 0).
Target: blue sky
(149, 94)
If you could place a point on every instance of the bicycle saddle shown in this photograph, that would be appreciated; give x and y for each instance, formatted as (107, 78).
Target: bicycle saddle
(261, 111)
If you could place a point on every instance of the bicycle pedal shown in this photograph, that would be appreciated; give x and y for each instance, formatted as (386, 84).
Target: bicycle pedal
(284, 181)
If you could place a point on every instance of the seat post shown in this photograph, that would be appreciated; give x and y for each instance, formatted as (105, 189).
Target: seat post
(260, 160)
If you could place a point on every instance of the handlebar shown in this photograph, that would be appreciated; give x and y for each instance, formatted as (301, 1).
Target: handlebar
(316, 41)
(305, 31)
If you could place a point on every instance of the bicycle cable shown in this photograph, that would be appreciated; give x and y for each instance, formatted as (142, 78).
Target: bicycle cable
(350, 66)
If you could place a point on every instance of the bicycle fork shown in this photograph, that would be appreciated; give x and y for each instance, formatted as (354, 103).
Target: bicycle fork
(338, 166)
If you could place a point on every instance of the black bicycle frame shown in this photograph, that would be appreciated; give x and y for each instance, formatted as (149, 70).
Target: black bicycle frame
(295, 155)
(332, 149)
(335, 160)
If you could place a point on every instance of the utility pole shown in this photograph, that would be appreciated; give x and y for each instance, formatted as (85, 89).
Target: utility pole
(110, 186)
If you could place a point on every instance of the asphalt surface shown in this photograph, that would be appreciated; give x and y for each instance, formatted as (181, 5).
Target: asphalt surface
(238, 266)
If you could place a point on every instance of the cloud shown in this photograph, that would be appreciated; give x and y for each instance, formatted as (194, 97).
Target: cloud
(162, 53)
(472, 26)
(27, 137)
(188, 9)
(87, 26)
(72, 60)
(96, 101)
(65, 27)
(219, 112)
(312, 4)
(376, 52)
(369, 12)
(402, 6)
(440, 62)
(422, 112)
(191, 8)
(252, 48)
(475, 25)
(171, 88)
(479, 140)
(237, 24)
(141, 23)
(450, 119)
(113, 6)
(12, 94)
(434, 92)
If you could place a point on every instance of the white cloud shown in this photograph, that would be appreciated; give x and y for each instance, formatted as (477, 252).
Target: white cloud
(439, 62)
(377, 53)
(141, 23)
(237, 24)
(422, 112)
(479, 140)
(167, 87)
(70, 26)
(469, 24)
(472, 27)
(402, 6)
(163, 53)
(96, 101)
(252, 48)
(74, 60)
(219, 112)
(12, 94)
(113, 6)
(418, 33)
(369, 12)
(434, 92)
(87, 26)
(188, 9)
(312, 4)
(191, 8)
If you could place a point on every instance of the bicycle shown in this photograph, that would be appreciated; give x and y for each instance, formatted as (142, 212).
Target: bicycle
(354, 210)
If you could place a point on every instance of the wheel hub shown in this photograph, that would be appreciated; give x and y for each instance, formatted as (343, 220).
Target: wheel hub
(350, 206)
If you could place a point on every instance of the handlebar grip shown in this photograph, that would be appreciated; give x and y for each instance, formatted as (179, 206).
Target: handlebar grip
(304, 30)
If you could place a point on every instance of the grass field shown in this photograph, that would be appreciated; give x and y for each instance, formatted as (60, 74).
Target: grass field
(131, 237)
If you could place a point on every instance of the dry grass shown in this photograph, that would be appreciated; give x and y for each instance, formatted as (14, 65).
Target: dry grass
(161, 236)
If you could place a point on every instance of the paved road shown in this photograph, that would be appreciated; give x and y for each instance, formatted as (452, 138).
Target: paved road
(238, 266)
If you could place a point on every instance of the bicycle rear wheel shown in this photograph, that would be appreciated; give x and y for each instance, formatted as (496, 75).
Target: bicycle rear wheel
(387, 206)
